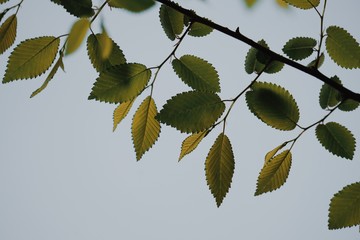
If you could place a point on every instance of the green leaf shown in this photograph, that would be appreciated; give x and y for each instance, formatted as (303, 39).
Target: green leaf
(317, 63)
(272, 153)
(95, 48)
(31, 58)
(120, 83)
(8, 33)
(337, 139)
(197, 73)
(77, 34)
(348, 105)
(342, 47)
(344, 210)
(199, 30)
(329, 96)
(191, 142)
(273, 105)
(145, 128)
(172, 21)
(121, 112)
(256, 61)
(274, 173)
(192, 111)
(219, 167)
(304, 4)
(79, 8)
(131, 5)
(59, 63)
(299, 48)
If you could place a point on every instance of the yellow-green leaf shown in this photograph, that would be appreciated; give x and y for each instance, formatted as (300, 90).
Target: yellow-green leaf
(337, 139)
(77, 34)
(8, 33)
(273, 105)
(272, 153)
(59, 64)
(219, 168)
(274, 173)
(31, 58)
(342, 47)
(199, 30)
(120, 83)
(192, 111)
(145, 128)
(131, 5)
(171, 21)
(121, 112)
(97, 47)
(304, 4)
(282, 3)
(344, 210)
(197, 73)
(191, 142)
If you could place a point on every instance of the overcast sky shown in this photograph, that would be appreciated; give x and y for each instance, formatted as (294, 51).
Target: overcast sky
(65, 175)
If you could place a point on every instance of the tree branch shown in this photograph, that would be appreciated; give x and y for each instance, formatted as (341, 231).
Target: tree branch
(346, 93)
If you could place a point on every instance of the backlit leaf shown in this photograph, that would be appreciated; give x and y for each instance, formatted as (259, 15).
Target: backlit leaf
(342, 47)
(192, 111)
(77, 34)
(172, 21)
(199, 30)
(145, 128)
(274, 173)
(120, 83)
(191, 142)
(348, 105)
(131, 5)
(273, 105)
(78, 8)
(272, 153)
(337, 139)
(304, 4)
(121, 112)
(95, 47)
(299, 48)
(59, 63)
(31, 58)
(8, 33)
(255, 61)
(329, 96)
(344, 210)
(197, 73)
(219, 167)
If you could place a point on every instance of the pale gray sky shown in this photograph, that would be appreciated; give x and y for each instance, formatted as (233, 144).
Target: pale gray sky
(65, 175)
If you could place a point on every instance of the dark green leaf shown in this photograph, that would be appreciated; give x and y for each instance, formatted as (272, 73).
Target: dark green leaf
(199, 30)
(274, 173)
(273, 105)
(197, 73)
(131, 5)
(120, 83)
(342, 47)
(219, 168)
(79, 8)
(172, 21)
(192, 111)
(329, 97)
(349, 105)
(336, 139)
(299, 48)
(95, 48)
(344, 210)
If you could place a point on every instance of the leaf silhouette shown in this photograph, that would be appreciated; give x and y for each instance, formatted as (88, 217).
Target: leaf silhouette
(8, 33)
(79, 8)
(31, 58)
(274, 173)
(192, 111)
(145, 128)
(219, 168)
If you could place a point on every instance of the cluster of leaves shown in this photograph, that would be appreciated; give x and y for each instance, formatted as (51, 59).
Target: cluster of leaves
(197, 112)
